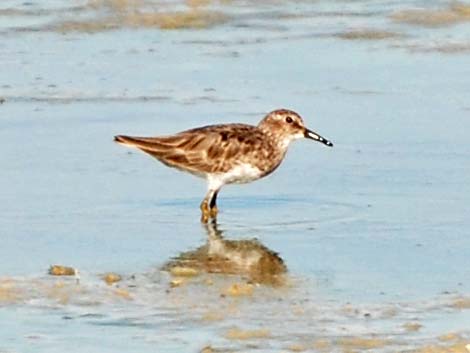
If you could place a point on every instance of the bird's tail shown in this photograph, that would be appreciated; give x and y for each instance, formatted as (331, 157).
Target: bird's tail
(144, 143)
(159, 148)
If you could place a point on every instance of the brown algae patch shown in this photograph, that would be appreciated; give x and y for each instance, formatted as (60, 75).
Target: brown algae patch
(240, 334)
(447, 343)
(449, 337)
(297, 348)
(455, 13)
(322, 345)
(180, 271)
(213, 316)
(105, 15)
(115, 5)
(461, 303)
(190, 19)
(368, 34)
(181, 275)
(208, 349)
(459, 347)
(360, 343)
(9, 293)
(412, 326)
(86, 26)
(239, 290)
(123, 293)
(198, 3)
(62, 292)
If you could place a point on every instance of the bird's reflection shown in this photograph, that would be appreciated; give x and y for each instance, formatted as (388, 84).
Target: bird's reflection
(248, 258)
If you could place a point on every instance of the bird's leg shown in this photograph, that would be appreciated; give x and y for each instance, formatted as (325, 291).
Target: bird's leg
(208, 207)
(205, 210)
(213, 205)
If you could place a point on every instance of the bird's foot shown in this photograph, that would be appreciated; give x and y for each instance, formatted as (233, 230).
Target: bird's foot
(213, 212)
(205, 211)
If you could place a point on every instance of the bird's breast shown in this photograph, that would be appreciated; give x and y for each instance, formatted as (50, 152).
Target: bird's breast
(243, 173)
(239, 174)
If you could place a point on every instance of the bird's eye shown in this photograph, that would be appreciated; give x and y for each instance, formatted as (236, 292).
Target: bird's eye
(289, 120)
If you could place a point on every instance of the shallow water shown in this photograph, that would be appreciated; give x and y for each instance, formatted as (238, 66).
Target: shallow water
(373, 233)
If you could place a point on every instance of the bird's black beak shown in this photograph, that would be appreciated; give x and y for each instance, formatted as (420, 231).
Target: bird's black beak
(314, 136)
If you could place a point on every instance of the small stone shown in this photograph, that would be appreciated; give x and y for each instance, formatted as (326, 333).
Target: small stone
(111, 278)
(58, 270)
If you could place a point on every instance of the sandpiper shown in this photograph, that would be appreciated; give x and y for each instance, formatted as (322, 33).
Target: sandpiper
(229, 153)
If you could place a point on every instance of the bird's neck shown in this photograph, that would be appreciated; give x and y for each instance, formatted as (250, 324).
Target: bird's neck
(280, 141)
(276, 151)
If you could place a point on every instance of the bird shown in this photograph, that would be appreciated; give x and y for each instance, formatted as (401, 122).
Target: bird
(227, 153)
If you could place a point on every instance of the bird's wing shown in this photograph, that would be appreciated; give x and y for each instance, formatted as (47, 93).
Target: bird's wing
(210, 149)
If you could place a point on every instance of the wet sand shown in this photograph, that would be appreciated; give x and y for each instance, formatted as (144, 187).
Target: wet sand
(363, 247)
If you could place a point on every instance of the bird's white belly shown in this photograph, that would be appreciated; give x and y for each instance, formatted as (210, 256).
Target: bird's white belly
(242, 173)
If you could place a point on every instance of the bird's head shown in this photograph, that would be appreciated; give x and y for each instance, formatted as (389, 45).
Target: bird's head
(287, 125)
